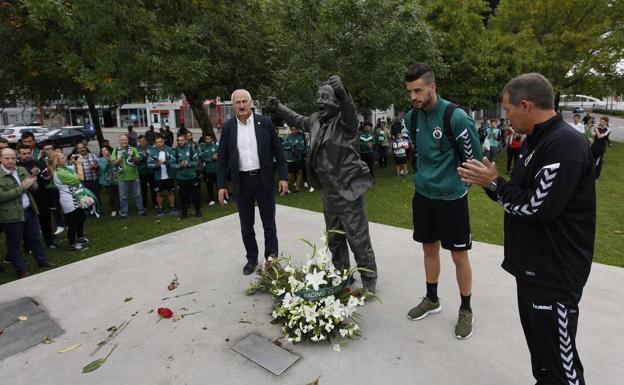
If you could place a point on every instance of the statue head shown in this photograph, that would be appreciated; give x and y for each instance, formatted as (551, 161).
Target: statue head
(327, 103)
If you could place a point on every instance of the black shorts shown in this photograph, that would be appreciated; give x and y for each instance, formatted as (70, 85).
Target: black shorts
(164, 185)
(446, 221)
(400, 159)
(294, 166)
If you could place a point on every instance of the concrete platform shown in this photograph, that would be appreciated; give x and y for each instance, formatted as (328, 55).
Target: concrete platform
(87, 297)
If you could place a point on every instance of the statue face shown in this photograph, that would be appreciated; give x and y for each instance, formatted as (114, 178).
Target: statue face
(326, 103)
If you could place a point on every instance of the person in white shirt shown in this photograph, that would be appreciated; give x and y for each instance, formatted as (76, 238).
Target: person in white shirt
(577, 124)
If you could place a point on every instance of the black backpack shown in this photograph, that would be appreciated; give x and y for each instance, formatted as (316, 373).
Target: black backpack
(448, 131)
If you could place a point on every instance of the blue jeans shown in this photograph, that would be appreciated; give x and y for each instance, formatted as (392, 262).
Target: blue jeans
(28, 230)
(134, 186)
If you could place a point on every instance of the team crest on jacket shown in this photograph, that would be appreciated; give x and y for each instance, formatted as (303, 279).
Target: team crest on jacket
(437, 133)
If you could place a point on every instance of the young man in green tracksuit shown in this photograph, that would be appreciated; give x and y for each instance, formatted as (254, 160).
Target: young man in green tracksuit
(294, 146)
(440, 203)
(160, 160)
(146, 173)
(186, 158)
(366, 140)
(209, 152)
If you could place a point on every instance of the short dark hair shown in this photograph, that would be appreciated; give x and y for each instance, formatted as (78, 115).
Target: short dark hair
(532, 87)
(2, 140)
(577, 116)
(419, 70)
(160, 136)
(140, 137)
(28, 134)
(182, 134)
(24, 147)
(109, 148)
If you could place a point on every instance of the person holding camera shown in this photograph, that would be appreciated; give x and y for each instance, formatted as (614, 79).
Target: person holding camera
(126, 159)
(67, 181)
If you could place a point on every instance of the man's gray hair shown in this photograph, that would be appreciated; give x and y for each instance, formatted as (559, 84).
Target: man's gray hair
(532, 87)
(242, 91)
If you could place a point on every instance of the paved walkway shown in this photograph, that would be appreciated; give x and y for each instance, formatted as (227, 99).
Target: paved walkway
(87, 297)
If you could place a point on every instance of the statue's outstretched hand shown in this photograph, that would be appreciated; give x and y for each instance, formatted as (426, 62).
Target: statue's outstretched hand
(337, 86)
(273, 103)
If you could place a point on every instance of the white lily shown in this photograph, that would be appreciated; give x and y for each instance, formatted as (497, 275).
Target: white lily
(315, 279)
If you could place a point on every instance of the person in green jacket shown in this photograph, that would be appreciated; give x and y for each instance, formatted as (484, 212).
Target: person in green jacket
(294, 146)
(367, 143)
(160, 160)
(210, 155)
(440, 203)
(126, 159)
(382, 141)
(186, 158)
(146, 174)
(108, 178)
(19, 216)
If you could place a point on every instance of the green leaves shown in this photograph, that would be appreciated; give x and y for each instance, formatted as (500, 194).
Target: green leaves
(95, 365)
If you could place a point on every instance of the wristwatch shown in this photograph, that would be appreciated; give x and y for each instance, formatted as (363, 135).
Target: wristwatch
(495, 184)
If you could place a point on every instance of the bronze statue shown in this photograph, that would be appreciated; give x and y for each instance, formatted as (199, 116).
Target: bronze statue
(334, 166)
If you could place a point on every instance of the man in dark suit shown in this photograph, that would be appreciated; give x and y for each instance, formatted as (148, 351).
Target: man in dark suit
(335, 167)
(247, 147)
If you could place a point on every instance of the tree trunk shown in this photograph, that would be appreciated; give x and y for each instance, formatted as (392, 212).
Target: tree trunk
(197, 106)
(95, 118)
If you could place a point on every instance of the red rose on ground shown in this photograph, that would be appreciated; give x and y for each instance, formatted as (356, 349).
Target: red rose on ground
(165, 312)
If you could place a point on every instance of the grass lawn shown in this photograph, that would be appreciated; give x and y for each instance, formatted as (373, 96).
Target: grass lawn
(388, 202)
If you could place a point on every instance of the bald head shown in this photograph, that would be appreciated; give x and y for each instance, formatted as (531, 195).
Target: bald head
(8, 158)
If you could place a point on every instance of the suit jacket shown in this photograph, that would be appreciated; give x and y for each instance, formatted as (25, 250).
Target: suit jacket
(269, 150)
(337, 146)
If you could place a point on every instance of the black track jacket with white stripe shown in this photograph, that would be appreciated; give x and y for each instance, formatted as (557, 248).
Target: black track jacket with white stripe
(550, 208)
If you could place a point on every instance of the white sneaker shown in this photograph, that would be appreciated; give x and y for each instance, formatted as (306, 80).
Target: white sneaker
(305, 184)
(212, 203)
(311, 189)
(113, 213)
(59, 230)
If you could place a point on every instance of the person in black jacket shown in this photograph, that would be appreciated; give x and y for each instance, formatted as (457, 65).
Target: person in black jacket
(247, 147)
(550, 223)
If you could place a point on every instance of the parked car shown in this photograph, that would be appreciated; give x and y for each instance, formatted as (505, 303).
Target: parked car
(579, 110)
(64, 137)
(14, 133)
(88, 130)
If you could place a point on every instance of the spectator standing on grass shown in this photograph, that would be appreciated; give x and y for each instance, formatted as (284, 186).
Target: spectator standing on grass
(513, 148)
(160, 161)
(108, 179)
(186, 158)
(492, 135)
(146, 173)
(19, 214)
(590, 130)
(126, 158)
(35, 168)
(90, 166)
(67, 181)
(210, 155)
(366, 141)
(599, 147)
(168, 136)
(382, 139)
(399, 149)
(294, 146)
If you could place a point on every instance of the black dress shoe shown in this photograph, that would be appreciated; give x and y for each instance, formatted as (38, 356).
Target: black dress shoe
(249, 268)
(48, 265)
(23, 274)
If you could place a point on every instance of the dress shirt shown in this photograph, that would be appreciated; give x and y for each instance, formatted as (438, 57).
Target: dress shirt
(247, 145)
(15, 175)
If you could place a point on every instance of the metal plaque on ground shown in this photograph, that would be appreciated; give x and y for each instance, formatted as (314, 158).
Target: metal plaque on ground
(22, 325)
(265, 353)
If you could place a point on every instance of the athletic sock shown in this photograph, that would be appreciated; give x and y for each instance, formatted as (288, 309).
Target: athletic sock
(432, 291)
(465, 302)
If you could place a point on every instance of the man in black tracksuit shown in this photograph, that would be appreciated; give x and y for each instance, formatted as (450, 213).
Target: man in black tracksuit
(550, 221)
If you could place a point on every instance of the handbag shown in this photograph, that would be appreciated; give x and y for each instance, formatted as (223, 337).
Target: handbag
(86, 199)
